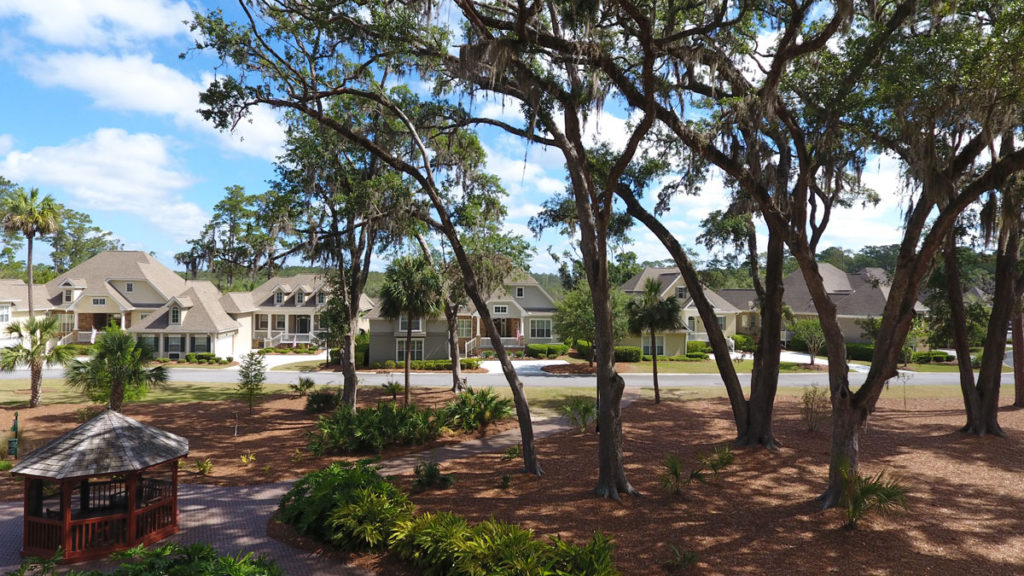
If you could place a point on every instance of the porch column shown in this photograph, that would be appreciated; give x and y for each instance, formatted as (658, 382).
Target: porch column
(65, 517)
(131, 485)
(122, 320)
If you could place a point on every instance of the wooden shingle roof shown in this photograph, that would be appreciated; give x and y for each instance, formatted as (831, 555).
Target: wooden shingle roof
(110, 443)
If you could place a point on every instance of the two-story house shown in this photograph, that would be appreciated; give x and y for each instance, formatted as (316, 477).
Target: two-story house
(521, 310)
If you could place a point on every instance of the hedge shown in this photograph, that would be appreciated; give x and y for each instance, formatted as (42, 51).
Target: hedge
(930, 356)
(443, 364)
(695, 346)
(546, 350)
(743, 343)
(628, 353)
(862, 352)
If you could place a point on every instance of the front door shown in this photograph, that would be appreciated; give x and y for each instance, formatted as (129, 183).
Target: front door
(302, 325)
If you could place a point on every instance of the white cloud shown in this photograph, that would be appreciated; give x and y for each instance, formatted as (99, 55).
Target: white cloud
(135, 83)
(98, 23)
(113, 171)
(6, 143)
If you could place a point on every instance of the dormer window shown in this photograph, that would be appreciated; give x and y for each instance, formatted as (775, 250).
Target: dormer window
(129, 287)
(99, 301)
(278, 297)
(175, 315)
(300, 297)
(520, 291)
(68, 296)
(681, 292)
(320, 298)
(500, 309)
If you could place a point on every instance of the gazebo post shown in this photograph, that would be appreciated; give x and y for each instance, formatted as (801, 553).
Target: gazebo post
(130, 485)
(174, 488)
(65, 515)
(27, 497)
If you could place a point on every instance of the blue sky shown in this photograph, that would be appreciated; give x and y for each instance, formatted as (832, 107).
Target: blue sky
(98, 110)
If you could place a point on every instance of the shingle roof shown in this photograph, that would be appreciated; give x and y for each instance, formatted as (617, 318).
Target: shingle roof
(665, 277)
(861, 293)
(110, 443)
(205, 316)
(261, 295)
(94, 273)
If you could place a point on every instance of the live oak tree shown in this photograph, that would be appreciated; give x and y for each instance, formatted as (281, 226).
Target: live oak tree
(314, 70)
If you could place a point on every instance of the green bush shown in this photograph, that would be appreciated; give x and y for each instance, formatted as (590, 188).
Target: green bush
(487, 354)
(743, 342)
(475, 410)
(310, 505)
(583, 348)
(428, 475)
(558, 349)
(230, 359)
(444, 364)
(303, 387)
(976, 360)
(628, 353)
(190, 358)
(367, 517)
(168, 559)
(322, 400)
(860, 352)
(389, 364)
(370, 430)
(696, 346)
(431, 541)
(929, 356)
(581, 411)
(208, 356)
(537, 350)
(697, 355)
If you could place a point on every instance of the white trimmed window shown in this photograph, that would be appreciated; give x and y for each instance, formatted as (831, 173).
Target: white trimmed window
(200, 344)
(415, 351)
(262, 321)
(175, 315)
(99, 301)
(464, 328)
(500, 309)
(403, 324)
(68, 295)
(540, 328)
(278, 322)
(67, 323)
(152, 341)
(300, 297)
(129, 287)
(520, 292)
(175, 343)
(743, 321)
(721, 322)
(5, 313)
(681, 292)
(691, 324)
(319, 298)
(660, 342)
(278, 297)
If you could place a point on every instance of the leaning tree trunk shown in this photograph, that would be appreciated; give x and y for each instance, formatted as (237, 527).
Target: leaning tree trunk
(764, 377)
(654, 367)
(958, 328)
(408, 355)
(452, 317)
(1017, 331)
(1003, 303)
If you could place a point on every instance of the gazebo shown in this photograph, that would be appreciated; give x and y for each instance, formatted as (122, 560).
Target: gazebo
(110, 484)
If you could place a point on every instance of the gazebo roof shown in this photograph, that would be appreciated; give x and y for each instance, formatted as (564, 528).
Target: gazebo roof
(110, 443)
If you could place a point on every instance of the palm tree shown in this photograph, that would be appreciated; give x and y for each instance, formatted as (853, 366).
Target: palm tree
(411, 288)
(34, 336)
(116, 369)
(27, 214)
(648, 312)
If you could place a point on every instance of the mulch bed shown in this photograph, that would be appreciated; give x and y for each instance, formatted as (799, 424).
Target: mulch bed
(759, 517)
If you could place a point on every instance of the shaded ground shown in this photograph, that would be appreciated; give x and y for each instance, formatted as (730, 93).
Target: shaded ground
(759, 517)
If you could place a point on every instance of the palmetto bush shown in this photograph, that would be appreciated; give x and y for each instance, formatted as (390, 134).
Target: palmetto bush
(475, 410)
(371, 430)
(366, 521)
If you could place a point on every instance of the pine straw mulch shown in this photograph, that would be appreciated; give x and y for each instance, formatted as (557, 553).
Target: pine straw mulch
(758, 517)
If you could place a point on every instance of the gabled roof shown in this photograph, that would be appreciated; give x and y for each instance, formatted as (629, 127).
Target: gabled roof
(133, 266)
(861, 293)
(206, 316)
(110, 443)
(666, 277)
(309, 283)
(742, 299)
(15, 292)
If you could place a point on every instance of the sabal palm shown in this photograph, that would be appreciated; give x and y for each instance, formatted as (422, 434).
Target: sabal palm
(33, 350)
(648, 312)
(27, 214)
(412, 288)
(116, 369)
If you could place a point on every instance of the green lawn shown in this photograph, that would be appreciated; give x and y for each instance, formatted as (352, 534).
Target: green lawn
(14, 393)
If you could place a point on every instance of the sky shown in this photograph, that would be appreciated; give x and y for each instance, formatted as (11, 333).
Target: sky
(98, 110)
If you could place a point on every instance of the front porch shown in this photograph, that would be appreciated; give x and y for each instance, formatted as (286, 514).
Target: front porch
(82, 328)
(285, 330)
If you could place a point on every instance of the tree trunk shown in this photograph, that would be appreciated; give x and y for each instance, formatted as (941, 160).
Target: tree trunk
(847, 421)
(958, 325)
(764, 377)
(707, 313)
(28, 268)
(654, 367)
(408, 355)
(117, 396)
(451, 316)
(347, 357)
(36, 376)
(1018, 356)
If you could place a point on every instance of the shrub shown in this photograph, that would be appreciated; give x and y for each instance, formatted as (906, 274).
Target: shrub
(475, 410)
(428, 475)
(815, 406)
(536, 350)
(431, 540)
(6, 465)
(512, 452)
(362, 354)
(929, 356)
(203, 466)
(743, 343)
(863, 495)
(309, 505)
(976, 360)
(367, 516)
(671, 479)
(303, 387)
(583, 348)
(628, 353)
(581, 411)
(696, 346)
(392, 387)
(170, 559)
(389, 364)
(487, 354)
(190, 358)
(322, 400)
(697, 355)
(372, 429)
(860, 352)
(230, 359)
(557, 350)
(208, 356)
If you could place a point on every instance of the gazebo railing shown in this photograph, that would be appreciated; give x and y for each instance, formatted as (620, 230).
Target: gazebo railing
(43, 535)
(103, 532)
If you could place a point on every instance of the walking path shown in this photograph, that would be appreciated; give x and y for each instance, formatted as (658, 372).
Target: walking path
(234, 519)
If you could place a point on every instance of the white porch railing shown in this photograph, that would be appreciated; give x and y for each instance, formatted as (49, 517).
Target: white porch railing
(290, 338)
